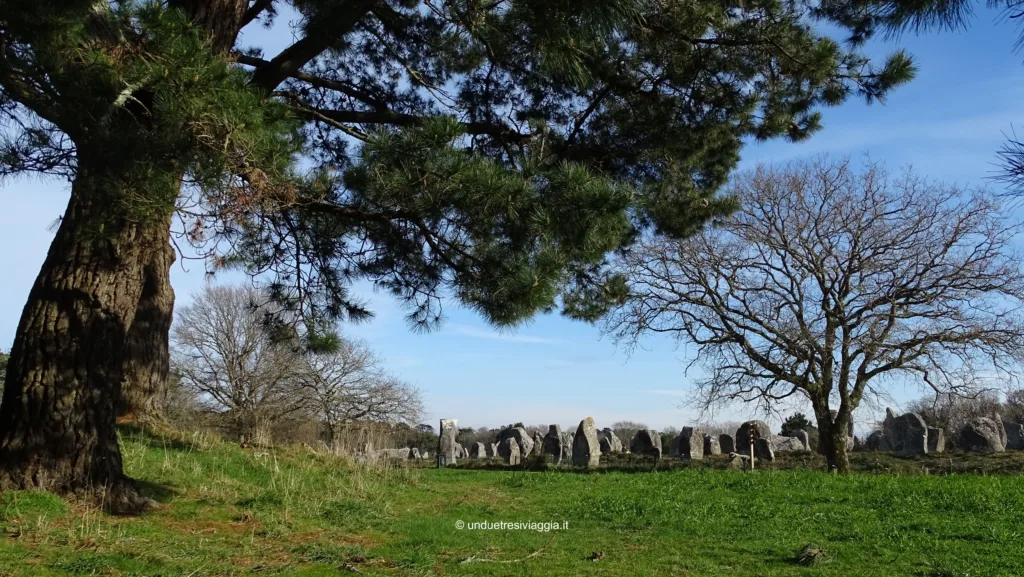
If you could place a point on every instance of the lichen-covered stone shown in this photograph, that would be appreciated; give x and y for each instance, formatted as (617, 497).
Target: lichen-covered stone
(586, 449)
(646, 442)
(509, 450)
(936, 440)
(711, 446)
(727, 443)
(446, 444)
(690, 443)
(906, 434)
(982, 434)
(1014, 435)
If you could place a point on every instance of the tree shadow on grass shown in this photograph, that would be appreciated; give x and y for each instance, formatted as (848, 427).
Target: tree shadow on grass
(159, 492)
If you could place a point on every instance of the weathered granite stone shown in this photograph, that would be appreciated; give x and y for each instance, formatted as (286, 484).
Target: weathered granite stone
(805, 439)
(552, 444)
(509, 450)
(521, 437)
(906, 434)
(764, 450)
(567, 439)
(415, 453)
(936, 440)
(538, 443)
(478, 451)
(1002, 430)
(492, 450)
(606, 446)
(876, 442)
(425, 454)
(646, 442)
(446, 445)
(690, 443)
(760, 429)
(738, 461)
(461, 452)
(727, 443)
(614, 443)
(787, 444)
(1014, 435)
(586, 450)
(711, 446)
(981, 434)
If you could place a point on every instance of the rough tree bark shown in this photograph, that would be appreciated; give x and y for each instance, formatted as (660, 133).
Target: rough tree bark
(57, 418)
(147, 361)
(832, 437)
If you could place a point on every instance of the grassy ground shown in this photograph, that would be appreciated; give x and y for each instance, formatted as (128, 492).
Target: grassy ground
(228, 511)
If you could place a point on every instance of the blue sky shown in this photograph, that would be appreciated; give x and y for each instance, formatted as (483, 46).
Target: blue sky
(947, 124)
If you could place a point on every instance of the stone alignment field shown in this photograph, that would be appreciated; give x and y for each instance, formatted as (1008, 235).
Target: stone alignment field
(228, 511)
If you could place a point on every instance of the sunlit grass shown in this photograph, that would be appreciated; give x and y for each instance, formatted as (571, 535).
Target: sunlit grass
(231, 511)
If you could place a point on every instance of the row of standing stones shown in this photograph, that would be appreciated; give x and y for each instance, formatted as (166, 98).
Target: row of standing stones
(903, 435)
(585, 447)
(908, 434)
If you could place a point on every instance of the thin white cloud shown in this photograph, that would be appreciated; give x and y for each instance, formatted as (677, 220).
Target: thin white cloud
(468, 331)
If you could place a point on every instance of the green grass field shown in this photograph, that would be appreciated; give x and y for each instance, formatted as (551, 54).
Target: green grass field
(229, 511)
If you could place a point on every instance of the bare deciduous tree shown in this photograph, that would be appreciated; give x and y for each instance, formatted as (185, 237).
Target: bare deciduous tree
(349, 384)
(830, 284)
(224, 352)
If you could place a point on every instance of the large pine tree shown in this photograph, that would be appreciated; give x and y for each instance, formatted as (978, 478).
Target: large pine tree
(492, 151)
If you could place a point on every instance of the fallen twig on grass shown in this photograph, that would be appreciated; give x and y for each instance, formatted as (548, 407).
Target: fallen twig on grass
(475, 559)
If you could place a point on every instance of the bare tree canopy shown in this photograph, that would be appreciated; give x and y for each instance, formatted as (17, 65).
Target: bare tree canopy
(349, 384)
(829, 283)
(225, 353)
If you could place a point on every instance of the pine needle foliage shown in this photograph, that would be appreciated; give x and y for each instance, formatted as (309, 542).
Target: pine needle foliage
(498, 151)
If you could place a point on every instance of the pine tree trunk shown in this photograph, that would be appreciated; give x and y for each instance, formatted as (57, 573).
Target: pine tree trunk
(57, 418)
(147, 361)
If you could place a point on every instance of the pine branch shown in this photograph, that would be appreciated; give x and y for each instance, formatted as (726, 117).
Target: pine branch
(317, 39)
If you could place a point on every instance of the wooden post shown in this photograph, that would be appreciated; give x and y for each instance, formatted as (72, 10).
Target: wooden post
(753, 433)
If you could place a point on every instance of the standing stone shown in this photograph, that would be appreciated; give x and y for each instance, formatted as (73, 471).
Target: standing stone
(415, 454)
(586, 450)
(521, 437)
(567, 439)
(606, 446)
(492, 450)
(787, 444)
(1014, 435)
(981, 434)
(460, 451)
(446, 445)
(478, 451)
(1002, 430)
(727, 443)
(646, 442)
(552, 443)
(538, 443)
(509, 450)
(805, 439)
(764, 450)
(425, 454)
(906, 434)
(876, 442)
(614, 443)
(711, 446)
(690, 443)
(760, 429)
(936, 440)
